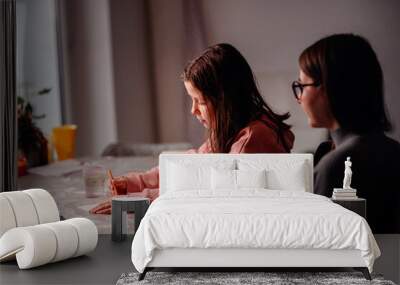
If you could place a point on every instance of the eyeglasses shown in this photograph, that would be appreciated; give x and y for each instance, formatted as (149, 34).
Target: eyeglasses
(298, 88)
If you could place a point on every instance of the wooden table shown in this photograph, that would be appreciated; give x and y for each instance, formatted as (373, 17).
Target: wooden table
(69, 192)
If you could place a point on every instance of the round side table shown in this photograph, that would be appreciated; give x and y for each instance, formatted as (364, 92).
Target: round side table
(120, 206)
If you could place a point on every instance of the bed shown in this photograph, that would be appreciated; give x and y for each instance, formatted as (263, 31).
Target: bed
(245, 211)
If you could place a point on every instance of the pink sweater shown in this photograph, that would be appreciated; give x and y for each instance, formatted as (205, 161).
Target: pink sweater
(257, 137)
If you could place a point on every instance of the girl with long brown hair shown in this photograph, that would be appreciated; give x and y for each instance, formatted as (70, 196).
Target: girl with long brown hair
(226, 100)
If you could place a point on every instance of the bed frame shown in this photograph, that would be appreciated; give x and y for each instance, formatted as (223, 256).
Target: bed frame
(246, 259)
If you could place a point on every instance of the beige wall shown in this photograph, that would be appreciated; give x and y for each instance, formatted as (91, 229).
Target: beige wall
(166, 18)
(271, 35)
(134, 104)
(139, 71)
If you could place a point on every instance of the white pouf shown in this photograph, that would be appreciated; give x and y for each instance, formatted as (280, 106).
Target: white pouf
(23, 209)
(37, 245)
(31, 233)
(7, 218)
(46, 207)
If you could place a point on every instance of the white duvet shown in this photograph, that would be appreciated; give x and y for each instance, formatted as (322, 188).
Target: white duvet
(256, 218)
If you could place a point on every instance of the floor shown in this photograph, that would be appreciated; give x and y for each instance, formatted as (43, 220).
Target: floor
(111, 259)
(102, 266)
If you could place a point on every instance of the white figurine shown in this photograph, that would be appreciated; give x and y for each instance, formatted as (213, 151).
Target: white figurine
(347, 174)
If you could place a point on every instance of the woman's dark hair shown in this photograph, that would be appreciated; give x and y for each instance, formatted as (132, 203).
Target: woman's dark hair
(348, 69)
(226, 81)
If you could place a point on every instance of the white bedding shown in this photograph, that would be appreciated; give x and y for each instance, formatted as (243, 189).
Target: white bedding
(252, 218)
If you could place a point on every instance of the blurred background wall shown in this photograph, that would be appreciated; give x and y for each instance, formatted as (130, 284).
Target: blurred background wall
(123, 59)
(37, 60)
(90, 70)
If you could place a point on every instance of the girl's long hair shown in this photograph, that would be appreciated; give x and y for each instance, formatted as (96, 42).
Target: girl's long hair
(226, 81)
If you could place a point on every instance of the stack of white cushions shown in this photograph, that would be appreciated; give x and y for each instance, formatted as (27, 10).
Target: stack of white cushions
(203, 175)
(31, 232)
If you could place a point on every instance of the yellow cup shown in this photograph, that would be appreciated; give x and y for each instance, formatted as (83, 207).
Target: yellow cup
(63, 139)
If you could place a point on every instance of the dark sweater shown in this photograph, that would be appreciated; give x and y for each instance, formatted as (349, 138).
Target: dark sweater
(376, 174)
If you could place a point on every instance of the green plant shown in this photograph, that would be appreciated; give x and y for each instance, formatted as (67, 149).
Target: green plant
(31, 141)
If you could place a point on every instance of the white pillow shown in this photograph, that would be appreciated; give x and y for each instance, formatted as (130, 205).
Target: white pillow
(183, 176)
(292, 178)
(237, 179)
(223, 179)
(281, 175)
(251, 178)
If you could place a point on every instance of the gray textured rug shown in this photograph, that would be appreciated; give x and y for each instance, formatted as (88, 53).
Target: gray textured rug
(228, 278)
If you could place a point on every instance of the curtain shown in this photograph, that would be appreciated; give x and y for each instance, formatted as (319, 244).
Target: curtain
(8, 116)
(194, 43)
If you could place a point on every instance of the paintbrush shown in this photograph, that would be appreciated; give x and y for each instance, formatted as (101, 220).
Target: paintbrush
(110, 176)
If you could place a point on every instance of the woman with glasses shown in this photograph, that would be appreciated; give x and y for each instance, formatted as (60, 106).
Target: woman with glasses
(226, 101)
(340, 88)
